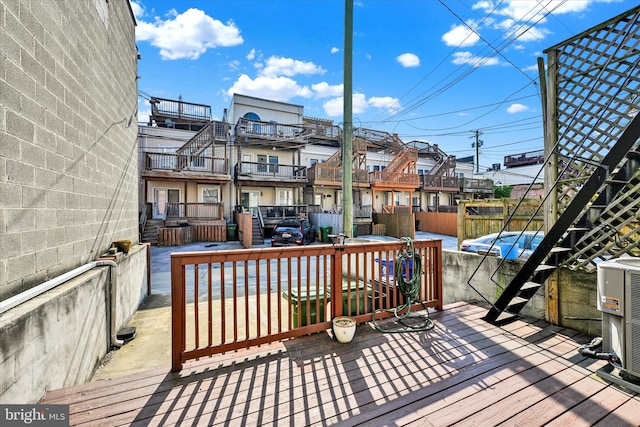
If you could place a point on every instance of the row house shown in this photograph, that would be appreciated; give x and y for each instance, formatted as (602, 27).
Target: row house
(267, 158)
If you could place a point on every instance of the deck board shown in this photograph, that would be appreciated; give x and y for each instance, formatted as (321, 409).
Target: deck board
(465, 371)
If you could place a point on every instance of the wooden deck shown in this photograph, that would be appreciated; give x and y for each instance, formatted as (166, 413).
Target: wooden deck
(463, 372)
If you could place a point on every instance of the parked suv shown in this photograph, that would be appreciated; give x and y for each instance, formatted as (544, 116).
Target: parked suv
(293, 231)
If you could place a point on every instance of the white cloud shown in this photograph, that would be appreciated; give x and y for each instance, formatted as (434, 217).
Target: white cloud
(251, 55)
(188, 35)
(325, 90)
(275, 88)
(408, 60)
(335, 107)
(460, 36)
(462, 58)
(234, 65)
(138, 9)
(517, 108)
(278, 66)
(392, 105)
(335, 50)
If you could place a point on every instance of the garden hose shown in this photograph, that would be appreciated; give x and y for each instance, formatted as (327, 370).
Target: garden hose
(408, 281)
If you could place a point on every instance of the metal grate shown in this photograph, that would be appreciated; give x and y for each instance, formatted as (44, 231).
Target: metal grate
(633, 346)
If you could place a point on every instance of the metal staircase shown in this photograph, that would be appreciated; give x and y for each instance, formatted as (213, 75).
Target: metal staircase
(592, 163)
(574, 223)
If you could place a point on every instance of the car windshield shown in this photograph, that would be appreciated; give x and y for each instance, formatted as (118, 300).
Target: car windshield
(287, 228)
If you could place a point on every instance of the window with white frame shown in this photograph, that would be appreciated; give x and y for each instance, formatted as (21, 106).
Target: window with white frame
(209, 194)
(285, 197)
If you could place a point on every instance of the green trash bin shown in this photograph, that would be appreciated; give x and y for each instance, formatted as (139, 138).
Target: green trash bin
(355, 230)
(298, 306)
(360, 298)
(231, 231)
(325, 231)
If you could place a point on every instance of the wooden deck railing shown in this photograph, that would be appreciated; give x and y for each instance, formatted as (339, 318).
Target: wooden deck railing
(390, 179)
(187, 211)
(227, 300)
(270, 171)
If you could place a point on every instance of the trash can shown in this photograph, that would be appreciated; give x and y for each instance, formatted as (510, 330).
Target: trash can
(231, 231)
(360, 298)
(355, 230)
(509, 251)
(298, 306)
(325, 231)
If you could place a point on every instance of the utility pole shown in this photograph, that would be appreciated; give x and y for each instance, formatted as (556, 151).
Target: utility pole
(477, 144)
(347, 138)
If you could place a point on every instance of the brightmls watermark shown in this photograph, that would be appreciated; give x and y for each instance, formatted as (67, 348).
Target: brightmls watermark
(34, 415)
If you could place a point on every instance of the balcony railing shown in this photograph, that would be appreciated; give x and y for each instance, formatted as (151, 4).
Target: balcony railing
(321, 128)
(179, 109)
(320, 173)
(249, 297)
(524, 159)
(268, 130)
(272, 214)
(270, 171)
(473, 185)
(192, 211)
(179, 162)
(440, 183)
(394, 179)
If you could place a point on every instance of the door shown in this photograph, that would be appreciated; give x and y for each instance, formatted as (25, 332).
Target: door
(160, 201)
(250, 201)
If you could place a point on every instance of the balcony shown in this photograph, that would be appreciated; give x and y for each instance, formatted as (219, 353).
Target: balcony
(323, 174)
(258, 173)
(394, 180)
(272, 215)
(179, 166)
(176, 212)
(255, 132)
(476, 186)
(446, 184)
(524, 159)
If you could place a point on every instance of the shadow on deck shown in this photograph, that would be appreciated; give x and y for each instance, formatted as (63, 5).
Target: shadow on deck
(465, 371)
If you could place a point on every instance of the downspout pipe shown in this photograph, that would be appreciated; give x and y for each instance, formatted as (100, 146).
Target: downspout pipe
(113, 299)
(22, 297)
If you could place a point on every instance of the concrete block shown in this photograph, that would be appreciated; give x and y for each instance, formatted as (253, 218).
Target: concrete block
(10, 195)
(21, 81)
(20, 127)
(10, 245)
(21, 267)
(33, 197)
(20, 173)
(33, 241)
(32, 66)
(19, 220)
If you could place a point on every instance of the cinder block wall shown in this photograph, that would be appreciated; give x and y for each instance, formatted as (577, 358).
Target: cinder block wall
(68, 126)
(57, 339)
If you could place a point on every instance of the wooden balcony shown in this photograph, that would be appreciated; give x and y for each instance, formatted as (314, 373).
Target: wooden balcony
(321, 130)
(331, 176)
(394, 180)
(463, 372)
(177, 212)
(524, 159)
(178, 166)
(258, 173)
(271, 215)
(446, 184)
(479, 186)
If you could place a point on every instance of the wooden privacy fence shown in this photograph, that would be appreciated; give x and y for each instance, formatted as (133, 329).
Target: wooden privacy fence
(227, 300)
(481, 217)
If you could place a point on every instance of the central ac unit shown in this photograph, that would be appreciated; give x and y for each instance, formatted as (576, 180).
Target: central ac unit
(619, 302)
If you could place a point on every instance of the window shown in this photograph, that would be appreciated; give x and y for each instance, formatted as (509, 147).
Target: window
(376, 168)
(209, 194)
(246, 160)
(267, 163)
(198, 162)
(313, 162)
(285, 197)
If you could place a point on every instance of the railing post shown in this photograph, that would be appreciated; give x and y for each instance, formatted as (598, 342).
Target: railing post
(178, 314)
(336, 281)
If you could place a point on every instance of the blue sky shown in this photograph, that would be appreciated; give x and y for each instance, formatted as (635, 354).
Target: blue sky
(430, 70)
